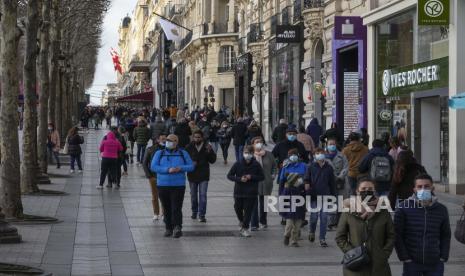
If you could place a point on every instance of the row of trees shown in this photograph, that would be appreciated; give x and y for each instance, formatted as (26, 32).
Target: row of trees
(49, 49)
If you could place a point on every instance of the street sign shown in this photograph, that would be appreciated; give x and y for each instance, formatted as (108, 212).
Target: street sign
(433, 12)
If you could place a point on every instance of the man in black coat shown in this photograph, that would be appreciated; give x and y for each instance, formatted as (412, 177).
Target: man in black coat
(280, 151)
(202, 155)
(183, 131)
(279, 132)
(238, 133)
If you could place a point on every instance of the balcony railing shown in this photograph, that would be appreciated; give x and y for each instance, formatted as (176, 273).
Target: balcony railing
(297, 11)
(226, 68)
(186, 40)
(220, 28)
(312, 4)
(255, 34)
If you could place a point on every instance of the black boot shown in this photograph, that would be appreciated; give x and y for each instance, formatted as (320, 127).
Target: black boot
(168, 233)
(177, 232)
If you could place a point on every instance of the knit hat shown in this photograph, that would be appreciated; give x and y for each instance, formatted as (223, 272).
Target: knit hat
(291, 180)
(291, 128)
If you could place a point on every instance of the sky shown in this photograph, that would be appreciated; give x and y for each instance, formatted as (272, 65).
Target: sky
(105, 72)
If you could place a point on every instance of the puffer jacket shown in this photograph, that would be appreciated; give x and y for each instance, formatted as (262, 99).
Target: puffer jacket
(74, 144)
(142, 134)
(157, 128)
(166, 159)
(110, 147)
(321, 180)
(423, 234)
(341, 168)
(355, 151)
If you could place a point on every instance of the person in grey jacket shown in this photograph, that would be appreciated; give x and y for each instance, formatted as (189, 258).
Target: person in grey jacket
(265, 187)
(157, 127)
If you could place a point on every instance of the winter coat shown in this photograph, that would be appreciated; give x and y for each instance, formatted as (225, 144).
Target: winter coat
(74, 145)
(422, 232)
(157, 128)
(268, 164)
(299, 212)
(280, 151)
(202, 159)
(122, 139)
(307, 141)
(252, 132)
(166, 159)
(224, 136)
(365, 167)
(110, 147)
(332, 133)
(341, 168)
(238, 134)
(249, 188)
(183, 131)
(147, 161)
(298, 167)
(279, 133)
(142, 134)
(130, 125)
(315, 131)
(321, 179)
(355, 152)
(404, 189)
(214, 134)
(54, 139)
(352, 231)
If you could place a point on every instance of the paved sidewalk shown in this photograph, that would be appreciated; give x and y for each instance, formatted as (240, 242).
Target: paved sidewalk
(111, 232)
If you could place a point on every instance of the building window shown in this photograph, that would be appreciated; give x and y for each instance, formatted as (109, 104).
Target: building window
(227, 58)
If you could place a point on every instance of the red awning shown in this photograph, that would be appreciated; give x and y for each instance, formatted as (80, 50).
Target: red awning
(140, 97)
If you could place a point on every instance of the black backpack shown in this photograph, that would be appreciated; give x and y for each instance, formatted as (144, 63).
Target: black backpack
(381, 169)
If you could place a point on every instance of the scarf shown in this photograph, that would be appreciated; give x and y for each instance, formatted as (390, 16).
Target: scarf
(259, 156)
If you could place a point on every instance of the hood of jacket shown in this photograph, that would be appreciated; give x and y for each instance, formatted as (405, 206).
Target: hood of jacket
(111, 136)
(314, 122)
(378, 152)
(355, 146)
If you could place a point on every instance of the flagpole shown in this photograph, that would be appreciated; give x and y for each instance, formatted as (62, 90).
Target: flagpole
(172, 22)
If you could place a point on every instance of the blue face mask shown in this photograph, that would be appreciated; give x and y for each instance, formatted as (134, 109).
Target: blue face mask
(332, 148)
(319, 157)
(169, 145)
(293, 158)
(291, 138)
(424, 195)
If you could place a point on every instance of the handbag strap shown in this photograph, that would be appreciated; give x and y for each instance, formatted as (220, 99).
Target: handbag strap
(367, 231)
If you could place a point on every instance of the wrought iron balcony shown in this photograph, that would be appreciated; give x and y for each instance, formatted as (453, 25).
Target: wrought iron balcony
(186, 40)
(255, 34)
(227, 68)
(297, 11)
(312, 4)
(220, 28)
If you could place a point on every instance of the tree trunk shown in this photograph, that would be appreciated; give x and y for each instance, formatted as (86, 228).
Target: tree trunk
(54, 66)
(43, 67)
(28, 169)
(58, 107)
(10, 190)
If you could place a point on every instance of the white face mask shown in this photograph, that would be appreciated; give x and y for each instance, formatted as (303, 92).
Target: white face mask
(248, 156)
(258, 146)
(169, 145)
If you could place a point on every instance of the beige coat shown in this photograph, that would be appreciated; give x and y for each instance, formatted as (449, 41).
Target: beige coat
(55, 139)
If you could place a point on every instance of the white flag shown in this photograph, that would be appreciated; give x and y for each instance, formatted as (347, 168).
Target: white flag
(172, 31)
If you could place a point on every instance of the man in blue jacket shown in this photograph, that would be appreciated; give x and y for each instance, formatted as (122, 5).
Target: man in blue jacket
(171, 166)
(379, 165)
(422, 231)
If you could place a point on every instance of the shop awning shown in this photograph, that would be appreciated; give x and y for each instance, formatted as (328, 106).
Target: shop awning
(457, 101)
(140, 97)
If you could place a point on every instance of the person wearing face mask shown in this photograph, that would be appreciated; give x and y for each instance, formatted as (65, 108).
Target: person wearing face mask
(265, 187)
(280, 151)
(293, 187)
(355, 151)
(202, 154)
(158, 143)
(246, 174)
(423, 233)
(307, 141)
(319, 181)
(238, 132)
(53, 144)
(224, 136)
(365, 225)
(171, 165)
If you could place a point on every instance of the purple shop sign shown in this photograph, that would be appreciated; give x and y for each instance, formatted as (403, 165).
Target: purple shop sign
(349, 27)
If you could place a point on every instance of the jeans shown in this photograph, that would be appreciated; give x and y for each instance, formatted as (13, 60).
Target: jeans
(199, 198)
(172, 199)
(314, 220)
(53, 154)
(239, 149)
(352, 185)
(414, 269)
(140, 152)
(258, 213)
(244, 207)
(214, 146)
(154, 189)
(108, 167)
(224, 149)
(75, 158)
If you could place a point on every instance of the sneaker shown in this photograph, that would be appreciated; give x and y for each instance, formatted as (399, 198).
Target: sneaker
(240, 226)
(225, 162)
(156, 217)
(264, 226)
(311, 237)
(117, 186)
(71, 171)
(80, 171)
(177, 232)
(253, 229)
(99, 187)
(295, 244)
(194, 216)
(109, 186)
(286, 241)
(323, 243)
(245, 233)
(283, 222)
(202, 219)
(168, 233)
(124, 174)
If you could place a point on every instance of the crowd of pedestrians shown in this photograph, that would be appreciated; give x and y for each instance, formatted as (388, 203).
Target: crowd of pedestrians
(302, 162)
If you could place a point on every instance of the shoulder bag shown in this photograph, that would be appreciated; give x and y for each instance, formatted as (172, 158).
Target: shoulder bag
(357, 257)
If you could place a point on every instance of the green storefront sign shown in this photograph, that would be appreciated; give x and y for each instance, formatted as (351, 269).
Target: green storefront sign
(417, 77)
(433, 12)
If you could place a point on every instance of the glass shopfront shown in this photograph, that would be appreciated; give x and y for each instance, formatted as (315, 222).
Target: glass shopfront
(411, 87)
